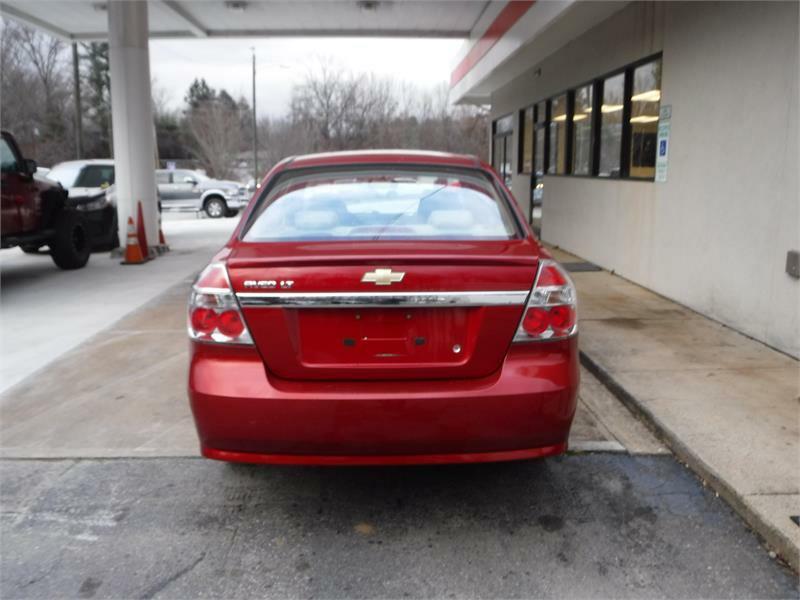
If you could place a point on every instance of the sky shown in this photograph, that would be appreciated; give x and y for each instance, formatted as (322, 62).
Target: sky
(174, 64)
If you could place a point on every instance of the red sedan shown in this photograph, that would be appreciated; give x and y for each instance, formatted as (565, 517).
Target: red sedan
(382, 308)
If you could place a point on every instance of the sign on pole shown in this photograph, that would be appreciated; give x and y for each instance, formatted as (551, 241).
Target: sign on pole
(662, 149)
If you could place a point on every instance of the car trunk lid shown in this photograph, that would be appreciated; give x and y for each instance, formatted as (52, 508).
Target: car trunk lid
(383, 310)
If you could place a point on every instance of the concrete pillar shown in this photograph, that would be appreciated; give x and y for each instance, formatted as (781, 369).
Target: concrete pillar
(132, 116)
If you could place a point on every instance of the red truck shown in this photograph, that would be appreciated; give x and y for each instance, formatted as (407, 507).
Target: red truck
(35, 212)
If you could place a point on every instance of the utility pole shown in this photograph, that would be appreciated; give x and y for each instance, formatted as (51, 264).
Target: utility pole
(255, 123)
(77, 87)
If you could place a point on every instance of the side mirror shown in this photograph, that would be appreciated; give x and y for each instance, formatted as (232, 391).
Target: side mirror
(191, 180)
(29, 166)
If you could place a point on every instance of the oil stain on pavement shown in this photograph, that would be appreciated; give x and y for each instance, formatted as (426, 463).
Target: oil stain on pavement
(596, 525)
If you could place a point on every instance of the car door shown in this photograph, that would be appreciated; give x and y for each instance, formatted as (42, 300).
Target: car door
(165, 188)
(186, 188)
(17, 191)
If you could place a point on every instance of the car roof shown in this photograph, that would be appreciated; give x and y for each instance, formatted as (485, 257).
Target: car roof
(87, 161)
(359, 157)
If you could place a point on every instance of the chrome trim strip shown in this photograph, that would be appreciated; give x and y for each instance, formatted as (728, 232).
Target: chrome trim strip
(413, 299)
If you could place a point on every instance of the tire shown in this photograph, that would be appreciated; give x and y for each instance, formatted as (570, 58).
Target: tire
(215, 207)
(232, 212)
(30, 249)
(70, 247)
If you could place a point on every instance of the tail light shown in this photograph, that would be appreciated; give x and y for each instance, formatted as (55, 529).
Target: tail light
(551, 312)
(214, 314)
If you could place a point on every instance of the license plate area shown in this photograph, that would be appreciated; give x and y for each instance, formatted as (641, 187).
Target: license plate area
(385, 336)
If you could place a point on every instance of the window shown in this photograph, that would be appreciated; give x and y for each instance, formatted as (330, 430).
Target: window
(645, 104)
(501, 147)
(8, 161)
(382, 203)
(541, 131)
(526, 137)
(606, 128)
(498, 153)
(163, 177)
(558, 135)
(96, 176)
(611, 111)
(582, 131)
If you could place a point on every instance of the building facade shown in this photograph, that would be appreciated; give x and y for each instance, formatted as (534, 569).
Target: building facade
(658, 140)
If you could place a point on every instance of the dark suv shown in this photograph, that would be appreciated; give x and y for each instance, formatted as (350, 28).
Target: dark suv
(35, 212)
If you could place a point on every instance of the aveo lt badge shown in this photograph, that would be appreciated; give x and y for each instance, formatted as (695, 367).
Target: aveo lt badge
(382, 277)
(268, 284)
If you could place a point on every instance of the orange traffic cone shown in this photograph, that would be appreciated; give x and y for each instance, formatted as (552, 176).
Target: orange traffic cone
(133, 252)
(140, 231)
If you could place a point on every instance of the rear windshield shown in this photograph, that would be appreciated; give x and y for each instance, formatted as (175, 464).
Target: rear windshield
(385, 203)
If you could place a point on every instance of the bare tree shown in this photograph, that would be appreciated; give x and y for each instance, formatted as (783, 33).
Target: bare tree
(335, 110)
(216, 132)
(36, 92)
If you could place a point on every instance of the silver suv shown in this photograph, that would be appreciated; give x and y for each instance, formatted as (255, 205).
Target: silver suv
(182, 189)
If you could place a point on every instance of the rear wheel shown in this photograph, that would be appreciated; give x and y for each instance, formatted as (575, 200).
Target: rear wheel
(216, 207)
(70, 247)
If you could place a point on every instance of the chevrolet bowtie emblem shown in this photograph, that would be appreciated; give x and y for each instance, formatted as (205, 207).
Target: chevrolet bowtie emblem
(382, 277)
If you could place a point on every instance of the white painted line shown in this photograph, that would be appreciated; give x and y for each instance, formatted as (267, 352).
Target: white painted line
(597, 446)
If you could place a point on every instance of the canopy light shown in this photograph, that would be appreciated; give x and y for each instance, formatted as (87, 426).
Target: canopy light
(368, 5)
(579, 117)
(609, 108)
(236, 5)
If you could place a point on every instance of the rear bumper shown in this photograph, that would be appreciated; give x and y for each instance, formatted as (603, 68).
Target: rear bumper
(522, 411)
(333, 460)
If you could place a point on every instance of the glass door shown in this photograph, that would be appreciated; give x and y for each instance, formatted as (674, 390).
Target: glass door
(537, 177)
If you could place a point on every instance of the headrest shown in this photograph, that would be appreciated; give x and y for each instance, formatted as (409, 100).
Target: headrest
(316, 220)
(451, 219)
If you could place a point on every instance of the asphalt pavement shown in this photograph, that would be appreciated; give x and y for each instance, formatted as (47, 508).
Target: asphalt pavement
(594, 525)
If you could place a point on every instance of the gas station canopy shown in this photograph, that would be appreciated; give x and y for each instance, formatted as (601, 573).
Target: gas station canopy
(82, 20)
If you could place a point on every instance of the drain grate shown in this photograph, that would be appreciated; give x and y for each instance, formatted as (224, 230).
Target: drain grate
(580, 267)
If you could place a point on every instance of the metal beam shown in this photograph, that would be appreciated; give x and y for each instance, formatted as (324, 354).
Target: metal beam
(191, 22)
(359, 33)
(35, 22)
(87, 36)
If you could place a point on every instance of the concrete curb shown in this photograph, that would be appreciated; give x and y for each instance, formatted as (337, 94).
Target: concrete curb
(774, 538)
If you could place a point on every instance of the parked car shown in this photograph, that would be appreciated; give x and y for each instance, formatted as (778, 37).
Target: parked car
(382, 308)
(182, 189)
(37, 213)
(89, 184)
